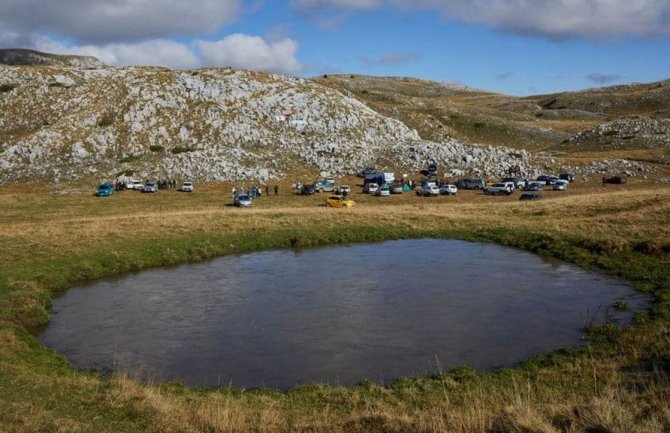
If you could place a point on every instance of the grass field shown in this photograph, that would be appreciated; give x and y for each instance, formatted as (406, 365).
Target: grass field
(51, 239)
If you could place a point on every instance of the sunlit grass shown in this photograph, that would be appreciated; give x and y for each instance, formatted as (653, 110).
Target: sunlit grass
(48, 241)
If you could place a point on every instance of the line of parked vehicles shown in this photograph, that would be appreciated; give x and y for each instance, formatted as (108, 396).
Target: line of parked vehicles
(106, 189)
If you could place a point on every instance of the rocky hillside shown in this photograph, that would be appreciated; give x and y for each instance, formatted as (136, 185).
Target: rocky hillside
(612, 118)
(30, 57)
(65, 123)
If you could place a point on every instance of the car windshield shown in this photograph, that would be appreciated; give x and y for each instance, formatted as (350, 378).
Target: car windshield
(187, 184)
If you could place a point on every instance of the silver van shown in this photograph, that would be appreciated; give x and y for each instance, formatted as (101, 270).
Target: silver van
(475, 183)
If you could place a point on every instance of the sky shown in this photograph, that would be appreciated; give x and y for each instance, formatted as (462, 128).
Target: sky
(517, 47)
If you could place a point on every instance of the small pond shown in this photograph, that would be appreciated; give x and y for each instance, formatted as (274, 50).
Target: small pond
(337, 315)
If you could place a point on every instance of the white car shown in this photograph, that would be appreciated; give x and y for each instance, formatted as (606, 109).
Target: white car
(150, 187)
(498, 189)
(343, 190)
(136, 184)
(384, 190)
(448, 189)
(187, 186)
(372, 188)
(428, 190)
(561, 185)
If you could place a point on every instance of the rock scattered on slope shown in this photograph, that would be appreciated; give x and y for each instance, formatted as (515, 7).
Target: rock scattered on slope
(68, 123)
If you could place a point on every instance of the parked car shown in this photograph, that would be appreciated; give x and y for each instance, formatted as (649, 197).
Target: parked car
(548, 180)
(534, 186)
(384, 190)
(343, 190)
(448, 189)
(397, 188)
(242, 199)
(527, 196)
(324, 185)
(150, 187)
(616, 179)
(339, 201)
(561, 185)
(371, 188)
(104, 190)
(136, 184)
(187, 186)
(570, 177)
(517, 181)
(428, 191)
(498, 189)
(308, 189)
(477, 183)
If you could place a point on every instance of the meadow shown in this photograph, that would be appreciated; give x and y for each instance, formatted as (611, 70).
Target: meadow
(52, 238)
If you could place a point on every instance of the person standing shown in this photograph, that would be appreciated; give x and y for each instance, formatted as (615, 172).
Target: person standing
(234, 191)
(276, 189)
(267, 190)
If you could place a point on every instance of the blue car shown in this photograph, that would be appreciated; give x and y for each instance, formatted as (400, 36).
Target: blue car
(104, 190)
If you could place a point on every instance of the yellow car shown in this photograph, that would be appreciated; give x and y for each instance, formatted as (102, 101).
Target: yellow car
(339, 201)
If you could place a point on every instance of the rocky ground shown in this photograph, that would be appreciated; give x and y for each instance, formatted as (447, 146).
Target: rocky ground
(66, 119)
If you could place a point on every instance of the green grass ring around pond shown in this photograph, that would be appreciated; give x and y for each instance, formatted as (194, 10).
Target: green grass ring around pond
(31, 374)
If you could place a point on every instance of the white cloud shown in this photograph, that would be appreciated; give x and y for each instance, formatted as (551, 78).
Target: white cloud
(156, 52)
(252, 52)
(558, 18)
(551, 18)
(107, 21)
(331, 14)
(237, 50)
(314, 5)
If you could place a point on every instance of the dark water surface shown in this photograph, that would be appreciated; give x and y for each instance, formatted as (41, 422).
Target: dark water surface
(336, 315)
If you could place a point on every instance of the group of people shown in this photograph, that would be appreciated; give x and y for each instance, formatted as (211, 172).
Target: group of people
(166, 184)
(256, 192)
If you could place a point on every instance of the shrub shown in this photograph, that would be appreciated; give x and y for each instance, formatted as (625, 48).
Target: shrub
(180, 149)
(156, 148)
(4, 88)
(106, 119)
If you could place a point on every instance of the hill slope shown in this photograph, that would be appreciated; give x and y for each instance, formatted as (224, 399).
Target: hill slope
(214, 124)
(566, 122)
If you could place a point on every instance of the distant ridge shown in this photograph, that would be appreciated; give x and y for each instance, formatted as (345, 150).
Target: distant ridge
(20, 56)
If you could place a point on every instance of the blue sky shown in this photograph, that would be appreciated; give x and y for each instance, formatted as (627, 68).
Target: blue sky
(518, 47)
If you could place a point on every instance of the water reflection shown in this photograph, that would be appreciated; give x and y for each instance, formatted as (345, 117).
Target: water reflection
(337, 315)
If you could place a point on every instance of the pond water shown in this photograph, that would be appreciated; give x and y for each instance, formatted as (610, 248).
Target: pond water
(337, 315)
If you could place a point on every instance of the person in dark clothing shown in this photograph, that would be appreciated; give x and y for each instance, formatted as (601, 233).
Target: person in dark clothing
(276, 189)
(267, 191)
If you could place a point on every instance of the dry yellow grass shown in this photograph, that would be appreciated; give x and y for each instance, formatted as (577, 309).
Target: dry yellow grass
(79, 223)
(612, 392)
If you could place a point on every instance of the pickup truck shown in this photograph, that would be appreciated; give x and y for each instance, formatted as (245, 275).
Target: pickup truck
(498, 189)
